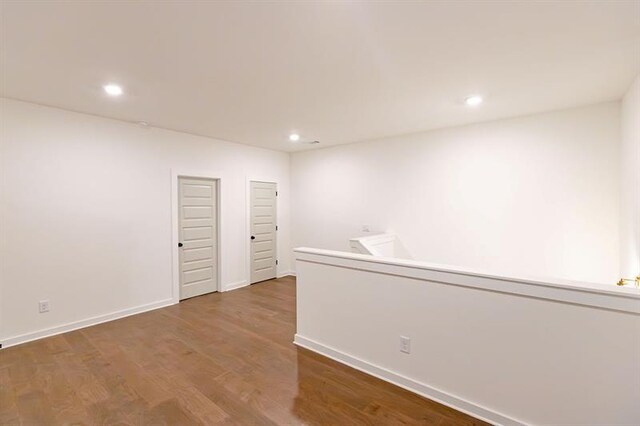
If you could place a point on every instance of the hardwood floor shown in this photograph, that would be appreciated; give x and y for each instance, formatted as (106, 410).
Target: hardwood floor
(216, 359)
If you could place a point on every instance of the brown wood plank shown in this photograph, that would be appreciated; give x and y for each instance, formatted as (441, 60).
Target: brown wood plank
(224, 359)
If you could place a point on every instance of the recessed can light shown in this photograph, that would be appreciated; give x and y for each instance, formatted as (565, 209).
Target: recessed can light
(112, 89)
(294, 137)
(474, 100)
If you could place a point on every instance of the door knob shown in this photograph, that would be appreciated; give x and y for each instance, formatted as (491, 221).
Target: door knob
(253, 238)
(179, 244)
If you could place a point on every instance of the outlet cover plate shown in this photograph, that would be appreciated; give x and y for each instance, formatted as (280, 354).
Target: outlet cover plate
(405, 344)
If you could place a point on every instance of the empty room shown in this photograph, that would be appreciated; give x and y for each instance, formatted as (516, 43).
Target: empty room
(320, 212)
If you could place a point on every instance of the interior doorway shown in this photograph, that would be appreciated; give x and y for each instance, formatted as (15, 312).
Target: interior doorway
(263, 226)
(197, 236)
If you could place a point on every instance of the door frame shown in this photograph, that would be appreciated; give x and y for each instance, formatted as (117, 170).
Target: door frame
(175, 219)
(247, 265)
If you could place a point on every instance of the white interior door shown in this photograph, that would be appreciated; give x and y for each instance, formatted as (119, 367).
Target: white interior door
(263, 231)
(198, 236)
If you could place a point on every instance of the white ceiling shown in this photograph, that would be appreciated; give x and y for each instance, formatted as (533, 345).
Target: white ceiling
(339, 72)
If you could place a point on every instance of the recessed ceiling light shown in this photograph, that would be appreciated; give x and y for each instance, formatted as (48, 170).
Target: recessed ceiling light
(474, 100)
(294, 137)
(113, 89)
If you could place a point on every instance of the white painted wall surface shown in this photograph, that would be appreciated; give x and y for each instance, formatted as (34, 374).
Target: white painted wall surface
(86, 213)
(536, 195)
(630, 183)
(507, 358)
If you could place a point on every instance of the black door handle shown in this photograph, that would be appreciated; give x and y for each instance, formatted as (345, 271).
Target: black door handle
(179, 244)
(253, 238)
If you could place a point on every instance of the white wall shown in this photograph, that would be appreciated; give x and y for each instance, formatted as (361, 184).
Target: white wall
(536, 195)
(508, 351)
(86, 213)
(630, 183)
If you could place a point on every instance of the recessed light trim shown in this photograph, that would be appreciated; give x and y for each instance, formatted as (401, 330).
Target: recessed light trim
(294, 137)
(113, 89)
(473, 100)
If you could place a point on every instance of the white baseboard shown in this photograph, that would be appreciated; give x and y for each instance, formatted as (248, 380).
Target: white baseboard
(246, 283)
(286, 274)
(422, 389)
(52, 331)
(236, 285)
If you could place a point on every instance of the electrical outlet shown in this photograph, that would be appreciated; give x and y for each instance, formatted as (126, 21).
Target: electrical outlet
(365, 228)
(43, 306)
(405, 345)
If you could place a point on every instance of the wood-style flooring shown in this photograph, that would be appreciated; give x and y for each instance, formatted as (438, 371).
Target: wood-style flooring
(222, 358)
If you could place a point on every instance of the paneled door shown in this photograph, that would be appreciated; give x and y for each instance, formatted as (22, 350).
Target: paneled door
(198, 241)
(263, 231)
